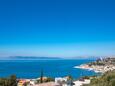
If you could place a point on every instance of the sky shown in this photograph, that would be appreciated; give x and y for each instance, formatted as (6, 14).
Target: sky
(57, 28)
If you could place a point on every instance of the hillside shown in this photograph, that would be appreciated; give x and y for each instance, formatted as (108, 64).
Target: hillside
(107, 79)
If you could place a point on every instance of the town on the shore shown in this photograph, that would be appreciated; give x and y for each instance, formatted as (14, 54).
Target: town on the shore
(101, 65)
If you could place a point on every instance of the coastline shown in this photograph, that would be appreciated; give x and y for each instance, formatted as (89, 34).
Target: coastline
(83, 66)
(99, 66)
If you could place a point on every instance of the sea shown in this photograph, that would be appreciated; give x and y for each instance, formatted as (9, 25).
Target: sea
(31, 69)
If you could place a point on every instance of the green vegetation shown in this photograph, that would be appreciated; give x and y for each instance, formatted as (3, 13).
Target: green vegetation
(108, 79)
(86, 77)
(70, 77)
(97, 63)
(49, 79)
(10, 81)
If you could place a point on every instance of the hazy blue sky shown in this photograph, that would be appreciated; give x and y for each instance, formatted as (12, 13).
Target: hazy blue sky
(57, 27)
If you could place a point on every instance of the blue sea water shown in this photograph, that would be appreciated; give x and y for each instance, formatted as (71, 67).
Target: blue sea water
(52, 68)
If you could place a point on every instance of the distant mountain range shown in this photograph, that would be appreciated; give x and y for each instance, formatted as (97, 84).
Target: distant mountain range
(31, 58)
(46, 58)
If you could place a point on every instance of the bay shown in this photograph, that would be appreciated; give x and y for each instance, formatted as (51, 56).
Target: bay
(51, 68)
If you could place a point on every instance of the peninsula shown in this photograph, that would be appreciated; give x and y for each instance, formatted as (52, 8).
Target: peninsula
(101, 65)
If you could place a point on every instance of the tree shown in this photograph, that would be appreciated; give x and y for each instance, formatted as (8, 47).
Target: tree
(13, 80)
(10, 81)
(41, 77)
